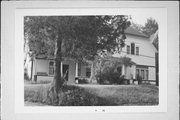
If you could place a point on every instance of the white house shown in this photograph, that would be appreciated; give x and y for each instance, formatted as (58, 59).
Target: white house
(138, 47)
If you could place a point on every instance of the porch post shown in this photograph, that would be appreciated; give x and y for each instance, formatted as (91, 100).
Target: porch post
(134, 71)
(61, 69)
(76, 72)
(123, 70)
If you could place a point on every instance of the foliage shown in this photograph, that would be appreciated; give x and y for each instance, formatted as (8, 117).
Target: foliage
(105, 69)
(79, 34)
(77, 96)
(73, 37)
(138, 27)
(82, 81)
(151, 26)
(26, 77)
(110, 77)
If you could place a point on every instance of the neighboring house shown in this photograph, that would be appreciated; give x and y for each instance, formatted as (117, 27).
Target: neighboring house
(138, 47)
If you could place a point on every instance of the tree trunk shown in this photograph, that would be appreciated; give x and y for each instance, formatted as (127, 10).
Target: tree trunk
(157, 68)
(93, 78)
(57, 82)
(52, 93)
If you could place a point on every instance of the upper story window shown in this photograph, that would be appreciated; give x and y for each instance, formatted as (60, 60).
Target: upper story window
(137, 50)
(128, 49)
(132, 48)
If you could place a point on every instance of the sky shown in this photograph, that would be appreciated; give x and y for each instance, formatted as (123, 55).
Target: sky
(141, 19)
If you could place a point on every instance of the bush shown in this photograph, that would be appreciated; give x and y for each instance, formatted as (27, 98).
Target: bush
(110, 77)
(76, 96)
(26, 77)
(107, 71)
(82, 81)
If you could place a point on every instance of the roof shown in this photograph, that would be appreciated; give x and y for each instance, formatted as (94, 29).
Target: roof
(132, 31)
(154, 36)
(122, 60)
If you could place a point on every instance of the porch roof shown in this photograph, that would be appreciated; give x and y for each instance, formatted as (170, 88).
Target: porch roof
(122, 60)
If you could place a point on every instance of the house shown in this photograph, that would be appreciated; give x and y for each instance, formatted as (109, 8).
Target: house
(138, 47)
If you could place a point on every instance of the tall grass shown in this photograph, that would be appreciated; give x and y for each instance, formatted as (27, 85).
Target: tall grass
(96, 95)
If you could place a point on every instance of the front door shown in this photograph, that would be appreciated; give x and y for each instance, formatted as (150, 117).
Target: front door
(65, 71)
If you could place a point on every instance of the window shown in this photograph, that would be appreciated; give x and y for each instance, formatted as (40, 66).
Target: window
(137, 50)
(51, 68)
(142, 74)
(132, 48)
(128, 49)
(137, 72)
(146, 75)
(88, 72)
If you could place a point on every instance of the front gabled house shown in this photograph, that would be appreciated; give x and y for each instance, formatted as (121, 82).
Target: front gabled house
(138, 47)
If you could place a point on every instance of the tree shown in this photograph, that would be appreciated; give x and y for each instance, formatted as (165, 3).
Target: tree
(151, 26)
(74, 37)
(137, 26)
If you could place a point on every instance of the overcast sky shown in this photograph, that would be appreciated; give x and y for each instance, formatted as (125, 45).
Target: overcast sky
(141, 19)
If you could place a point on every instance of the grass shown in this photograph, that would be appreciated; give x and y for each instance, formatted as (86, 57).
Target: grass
(35, 92)
(96, 95)
(38, 82)
(126, 94)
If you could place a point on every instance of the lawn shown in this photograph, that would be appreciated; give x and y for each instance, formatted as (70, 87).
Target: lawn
(95, 95)
(125, 94)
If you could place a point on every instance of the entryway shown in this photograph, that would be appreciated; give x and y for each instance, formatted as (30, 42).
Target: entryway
(66, 71)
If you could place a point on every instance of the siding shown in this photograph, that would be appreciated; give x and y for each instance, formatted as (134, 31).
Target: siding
(146, 51)
(42, 66)
(152, 73)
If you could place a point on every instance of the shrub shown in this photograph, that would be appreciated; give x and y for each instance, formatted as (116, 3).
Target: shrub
(110, 77)
(26, 77)
(82, 81)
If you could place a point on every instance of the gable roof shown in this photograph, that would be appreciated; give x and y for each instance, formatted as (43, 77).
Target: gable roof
(154, 37)
(132, 31)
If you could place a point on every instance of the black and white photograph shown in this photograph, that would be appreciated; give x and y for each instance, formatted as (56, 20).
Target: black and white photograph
(90, 60)
(99, 60)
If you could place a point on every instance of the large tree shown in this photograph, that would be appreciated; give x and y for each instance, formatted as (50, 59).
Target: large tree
(151, 26)
(77, 37)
